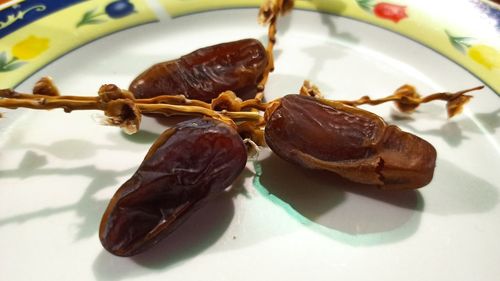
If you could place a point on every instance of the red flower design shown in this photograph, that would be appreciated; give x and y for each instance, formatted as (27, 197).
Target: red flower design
(390, 11)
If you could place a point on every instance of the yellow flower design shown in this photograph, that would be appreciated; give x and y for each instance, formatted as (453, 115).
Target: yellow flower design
(30, 47)
(485, 55)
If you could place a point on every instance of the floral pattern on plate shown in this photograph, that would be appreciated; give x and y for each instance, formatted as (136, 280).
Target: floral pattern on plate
(475, 43)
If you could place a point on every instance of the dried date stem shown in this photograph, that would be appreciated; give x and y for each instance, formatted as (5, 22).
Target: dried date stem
(269, 12)
(124, 111)
(406, 98)
(168, 99)
(228, 104)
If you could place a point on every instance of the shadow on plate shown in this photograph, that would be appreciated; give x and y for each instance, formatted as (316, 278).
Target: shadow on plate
(349, 209)
(363, 215)
(454, 132)
(79, 149)
(88, 208)
(455, 191)
(490, 120)
(321, 54)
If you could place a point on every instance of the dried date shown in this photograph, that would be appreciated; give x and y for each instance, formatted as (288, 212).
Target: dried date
(351, 142)
(185, 167)
(205, 73)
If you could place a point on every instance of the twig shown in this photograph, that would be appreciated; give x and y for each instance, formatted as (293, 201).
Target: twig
(269, 12)
(407, 99)
(123, 110)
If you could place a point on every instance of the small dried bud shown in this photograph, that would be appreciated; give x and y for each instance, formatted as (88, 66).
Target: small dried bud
(457, 101)
(110, 92)
(408, 98)
(266, 12)
(45, 87)
(271, 8)
(125, 114)
(309, 89)
(226, 101)
(455, 105)
(252, 131)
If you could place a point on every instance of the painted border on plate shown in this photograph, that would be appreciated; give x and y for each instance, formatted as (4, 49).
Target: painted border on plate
(34, 45)
(473, 43)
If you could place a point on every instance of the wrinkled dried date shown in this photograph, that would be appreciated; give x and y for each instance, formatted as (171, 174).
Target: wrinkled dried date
(354, 143)
(205, 73)
(187, 165)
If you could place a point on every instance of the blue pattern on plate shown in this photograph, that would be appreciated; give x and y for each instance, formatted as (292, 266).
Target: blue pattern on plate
(17, 16)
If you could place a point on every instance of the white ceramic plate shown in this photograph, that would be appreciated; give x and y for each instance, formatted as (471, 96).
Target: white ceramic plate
(58, 171)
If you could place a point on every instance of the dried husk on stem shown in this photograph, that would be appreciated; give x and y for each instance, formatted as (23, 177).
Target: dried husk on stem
(123, 110)
(406, 98)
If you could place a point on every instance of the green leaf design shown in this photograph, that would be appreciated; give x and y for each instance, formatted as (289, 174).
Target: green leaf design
(466, 41)
(366, 5)
(95, 21)
(459, 43)
(11, 65)
(91, 17)
(3, 58)
(458, 46)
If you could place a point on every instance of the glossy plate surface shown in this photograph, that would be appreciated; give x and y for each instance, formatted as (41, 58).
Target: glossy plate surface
(280, 222)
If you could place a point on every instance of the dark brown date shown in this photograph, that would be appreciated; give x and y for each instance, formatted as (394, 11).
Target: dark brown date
(185, 167)
(351, 142)
(205, 73)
